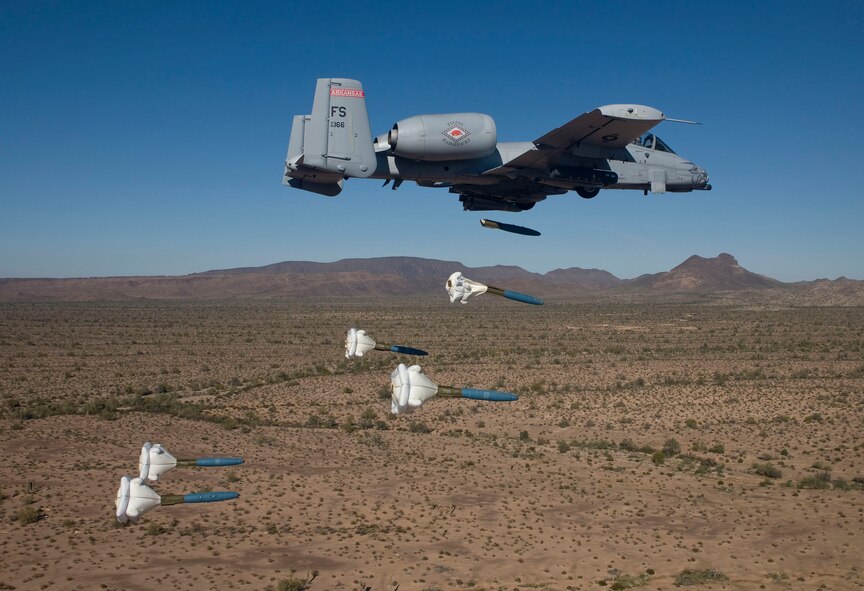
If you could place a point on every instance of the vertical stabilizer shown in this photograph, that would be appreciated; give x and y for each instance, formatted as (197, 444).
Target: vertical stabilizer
(337, 137)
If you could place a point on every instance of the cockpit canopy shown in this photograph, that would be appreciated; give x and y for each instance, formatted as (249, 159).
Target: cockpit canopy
(652, 142)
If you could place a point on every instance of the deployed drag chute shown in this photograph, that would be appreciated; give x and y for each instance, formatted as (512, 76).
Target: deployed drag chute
(605, 148)
(156, 461)
(134, 499)
(410, 388)
(460, 288)
(358, 343)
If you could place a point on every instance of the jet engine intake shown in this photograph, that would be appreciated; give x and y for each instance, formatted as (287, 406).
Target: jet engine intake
(449, 136)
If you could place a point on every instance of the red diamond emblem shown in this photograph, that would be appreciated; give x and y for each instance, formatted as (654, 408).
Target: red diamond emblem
(456, 133)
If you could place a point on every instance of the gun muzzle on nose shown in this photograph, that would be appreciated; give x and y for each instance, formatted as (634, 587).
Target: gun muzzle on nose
(700, 179)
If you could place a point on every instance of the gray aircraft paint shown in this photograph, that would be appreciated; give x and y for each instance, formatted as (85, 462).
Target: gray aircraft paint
(599, 149)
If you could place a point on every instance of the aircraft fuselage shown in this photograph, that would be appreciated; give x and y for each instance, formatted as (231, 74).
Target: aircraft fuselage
(635, 166)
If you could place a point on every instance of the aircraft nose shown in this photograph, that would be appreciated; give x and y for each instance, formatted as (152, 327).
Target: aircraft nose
(700, 178)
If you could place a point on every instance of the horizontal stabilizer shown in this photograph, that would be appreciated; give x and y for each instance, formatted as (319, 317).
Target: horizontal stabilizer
(328, 189)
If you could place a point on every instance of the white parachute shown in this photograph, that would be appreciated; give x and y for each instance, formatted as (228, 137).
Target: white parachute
(409, 388)
(358, 343)
(460, 288)
(155, 461)
(134, 499)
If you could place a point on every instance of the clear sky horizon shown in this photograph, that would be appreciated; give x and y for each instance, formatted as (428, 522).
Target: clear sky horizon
(148, 138)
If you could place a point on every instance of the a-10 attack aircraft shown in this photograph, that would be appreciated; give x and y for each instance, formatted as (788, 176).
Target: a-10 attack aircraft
(607, 148)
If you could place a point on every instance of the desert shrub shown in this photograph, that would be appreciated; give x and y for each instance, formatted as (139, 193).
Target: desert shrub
(155, 529)
(658, 457)
(767, 469)
(595, 444)
(699, 576)
(294, 584)
(27, 515)
(841, 484)
(384, 393)
(349, 424)
(418, 427)
(373, 440)
(820, 481)
(228, 423)
(367, 419)
(563, 447)
(313, 421)
(675, 380)
(671, 447)
(166, 403)
(278, 378)
(523, 436)
(623, 582)
(628, 445)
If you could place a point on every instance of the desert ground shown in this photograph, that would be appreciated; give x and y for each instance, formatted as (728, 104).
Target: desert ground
(654, 445)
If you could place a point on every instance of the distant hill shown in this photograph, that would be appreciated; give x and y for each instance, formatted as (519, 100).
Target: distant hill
(721, 276)
(585, 278)
(721, 273)
(418, 274)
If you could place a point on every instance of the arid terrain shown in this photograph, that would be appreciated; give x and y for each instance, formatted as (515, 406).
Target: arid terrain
(653, 445)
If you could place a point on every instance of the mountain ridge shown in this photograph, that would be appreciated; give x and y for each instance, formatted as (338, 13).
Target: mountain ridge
(400, 275)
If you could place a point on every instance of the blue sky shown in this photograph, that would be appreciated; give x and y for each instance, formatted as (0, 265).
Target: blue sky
(148, 138)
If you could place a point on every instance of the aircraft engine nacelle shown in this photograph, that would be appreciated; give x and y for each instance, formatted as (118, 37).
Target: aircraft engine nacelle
(449, 136)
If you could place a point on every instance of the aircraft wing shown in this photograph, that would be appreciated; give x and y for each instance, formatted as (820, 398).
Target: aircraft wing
(597, 134)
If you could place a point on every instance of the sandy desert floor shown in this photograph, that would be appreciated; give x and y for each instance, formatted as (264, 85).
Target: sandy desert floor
(653, 445)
